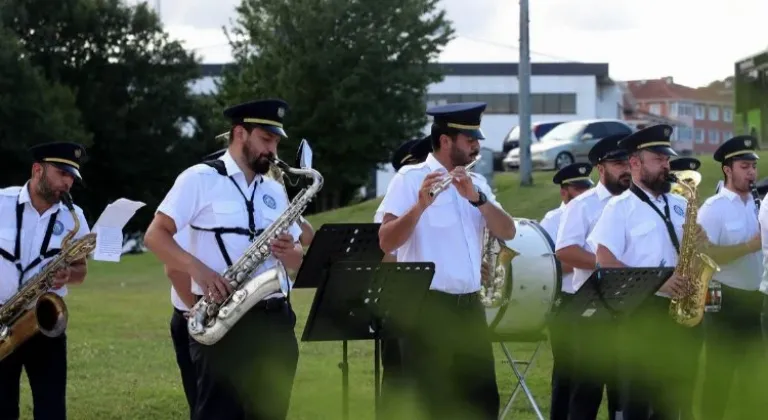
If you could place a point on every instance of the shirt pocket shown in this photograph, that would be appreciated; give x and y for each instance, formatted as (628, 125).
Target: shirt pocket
(229, 214)
(643, 240)
(8, 239)
(443, 212)
(734, 232)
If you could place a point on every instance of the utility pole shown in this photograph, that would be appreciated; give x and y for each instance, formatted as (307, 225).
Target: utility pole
(524, 98)
(158, 8)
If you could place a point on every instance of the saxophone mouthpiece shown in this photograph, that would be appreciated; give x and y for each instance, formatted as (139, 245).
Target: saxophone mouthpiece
(672, 178)
(66, 198)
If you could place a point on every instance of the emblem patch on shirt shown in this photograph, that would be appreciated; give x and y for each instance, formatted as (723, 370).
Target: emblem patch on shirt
(678, 210)
(58, 228)
(269, 201)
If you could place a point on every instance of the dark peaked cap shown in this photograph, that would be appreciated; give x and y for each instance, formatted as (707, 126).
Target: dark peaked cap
(608, 149)
(64, 155)
(215, 155)
(576, 174)
(684, 164)
(464, 116)
(737, 148)
(412, 151)
(267, 114)
(655, 138)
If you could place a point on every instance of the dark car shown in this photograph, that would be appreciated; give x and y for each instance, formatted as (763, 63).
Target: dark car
(538, 130)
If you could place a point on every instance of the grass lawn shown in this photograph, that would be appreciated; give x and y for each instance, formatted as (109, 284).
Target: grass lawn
(122, 365)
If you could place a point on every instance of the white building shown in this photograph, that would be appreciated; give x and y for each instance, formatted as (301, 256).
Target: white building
(559, 92)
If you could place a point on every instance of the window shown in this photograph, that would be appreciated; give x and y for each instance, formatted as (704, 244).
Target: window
(700, 133)
(616, 128)
(684, 133)
(700, 112)
(654, 109)
(506, 103)
(727, 135)
(596, 131)
(728, 115)
(685, 109)
(673, 109)
(714, 137)
(714, 113)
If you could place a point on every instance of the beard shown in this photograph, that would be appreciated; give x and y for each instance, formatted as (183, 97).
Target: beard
(658, 183)
(258, 162)
(46, 191)
(617, 185)
(460, 158)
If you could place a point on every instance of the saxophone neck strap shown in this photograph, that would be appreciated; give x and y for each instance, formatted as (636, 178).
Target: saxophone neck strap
(45, 253)
(665, 217)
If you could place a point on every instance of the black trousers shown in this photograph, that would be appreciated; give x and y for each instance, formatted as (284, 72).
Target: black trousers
(249, 373)
(392, 379)
(45, 361)
(449, 360)
(561, 341)
(180, 339)
(658, 363)
(734, 346)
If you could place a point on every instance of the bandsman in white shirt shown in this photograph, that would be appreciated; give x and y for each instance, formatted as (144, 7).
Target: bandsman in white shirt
(450, 357)
(573, 181)
(642, 227)
(182, 299)
(227, 203)
(733, 334)
(592, 366)
(33, 222)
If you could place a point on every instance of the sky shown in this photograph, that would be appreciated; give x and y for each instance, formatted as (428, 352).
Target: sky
(694, 41)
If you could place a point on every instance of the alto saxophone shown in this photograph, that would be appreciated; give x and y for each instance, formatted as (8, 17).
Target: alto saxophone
(209, 321)
(696, 267)
(34, 308)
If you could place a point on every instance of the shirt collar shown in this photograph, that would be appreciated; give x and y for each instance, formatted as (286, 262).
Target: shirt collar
(602, 192)
(659, 199)
(729, 193)
(25, 198)
(232, 167)
(562, 205)
(434, 164)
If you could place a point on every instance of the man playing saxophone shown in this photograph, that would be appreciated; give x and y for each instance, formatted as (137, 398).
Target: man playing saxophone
(584, 363)
(643, 227)
(33, 222)
(227, 203)
(732, 335)
(450, 359)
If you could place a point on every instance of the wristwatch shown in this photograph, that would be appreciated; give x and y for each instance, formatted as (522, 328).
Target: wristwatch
(482, 199)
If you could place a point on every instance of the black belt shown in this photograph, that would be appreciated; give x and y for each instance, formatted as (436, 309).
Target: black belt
(461, 299)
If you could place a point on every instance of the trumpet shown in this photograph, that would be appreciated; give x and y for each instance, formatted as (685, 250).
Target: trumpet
(443, 185)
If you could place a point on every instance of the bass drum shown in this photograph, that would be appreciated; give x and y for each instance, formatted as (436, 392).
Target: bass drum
(532, 282)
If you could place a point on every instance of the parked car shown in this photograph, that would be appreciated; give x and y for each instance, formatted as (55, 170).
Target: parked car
(568, 143)
(538, 130)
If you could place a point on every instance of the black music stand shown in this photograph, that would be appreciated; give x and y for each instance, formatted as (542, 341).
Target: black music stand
(367, 301)
(615, 293)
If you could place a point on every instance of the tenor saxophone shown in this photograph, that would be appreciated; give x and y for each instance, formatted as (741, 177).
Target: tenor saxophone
(695, 266)
(34, 308)
(208, 320)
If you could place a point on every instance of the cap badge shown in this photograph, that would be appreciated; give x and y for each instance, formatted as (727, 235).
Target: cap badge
(281, 112)
(667, 132)
(78, 153)
(692, 165)
(582, 170)
(748, 143)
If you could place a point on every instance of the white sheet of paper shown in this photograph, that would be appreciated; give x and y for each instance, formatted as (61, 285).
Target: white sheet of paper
(109, 229)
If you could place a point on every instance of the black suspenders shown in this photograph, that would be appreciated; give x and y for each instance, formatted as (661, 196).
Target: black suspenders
(15, 258)
(251, 232)
(664, 217)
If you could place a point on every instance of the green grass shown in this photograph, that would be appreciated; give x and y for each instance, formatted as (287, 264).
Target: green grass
(122, 365)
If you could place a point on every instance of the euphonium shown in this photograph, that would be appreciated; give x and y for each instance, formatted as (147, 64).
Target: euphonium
(693, 265)
(34, 308)
(209, 321)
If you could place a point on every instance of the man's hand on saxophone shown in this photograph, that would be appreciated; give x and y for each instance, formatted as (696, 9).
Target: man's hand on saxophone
(287, 251)
(675, 286)
(61, 278)
(215, 286)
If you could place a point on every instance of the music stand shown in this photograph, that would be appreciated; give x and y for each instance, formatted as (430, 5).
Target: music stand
(366, 301)
(615, 293)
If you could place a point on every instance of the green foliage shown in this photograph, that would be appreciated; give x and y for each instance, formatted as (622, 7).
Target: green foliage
(32, 111)
(354, 72)
(131, 86)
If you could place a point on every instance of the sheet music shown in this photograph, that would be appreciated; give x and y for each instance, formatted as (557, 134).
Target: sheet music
(109, 229)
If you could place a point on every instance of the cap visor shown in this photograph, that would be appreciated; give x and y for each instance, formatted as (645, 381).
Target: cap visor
(277, 130)
(71, 169)
(585, 183)
(746, 156)
(664, 150)
(477, 133)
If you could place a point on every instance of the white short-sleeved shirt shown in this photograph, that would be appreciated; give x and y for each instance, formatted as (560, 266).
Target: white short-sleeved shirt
(636, 234)
(202, 198)
(576, 223)
(763, 219)
(729, 220)
(33, 229)
(449, 233)
(181, 238)
(551, 224)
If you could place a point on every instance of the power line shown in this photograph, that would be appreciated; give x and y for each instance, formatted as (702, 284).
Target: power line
(516, 48)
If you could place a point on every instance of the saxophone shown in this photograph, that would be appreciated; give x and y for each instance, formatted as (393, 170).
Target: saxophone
(34, 308)
(693, 265)
(209, 321)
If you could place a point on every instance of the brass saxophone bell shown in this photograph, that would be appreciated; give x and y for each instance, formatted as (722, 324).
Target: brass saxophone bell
(690, 177)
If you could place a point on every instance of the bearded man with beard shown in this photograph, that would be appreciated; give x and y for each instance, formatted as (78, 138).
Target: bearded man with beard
(33, 222)
(449, 358)
(643, 227)
(577, 393)
(227, 203)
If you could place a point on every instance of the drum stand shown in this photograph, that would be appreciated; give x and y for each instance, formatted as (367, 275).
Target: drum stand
(520, 374)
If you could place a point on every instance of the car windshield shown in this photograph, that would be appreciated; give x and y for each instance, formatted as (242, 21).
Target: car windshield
(564, 131)
(514, 134)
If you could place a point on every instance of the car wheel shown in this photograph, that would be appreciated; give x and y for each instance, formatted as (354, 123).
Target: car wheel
(562, 160)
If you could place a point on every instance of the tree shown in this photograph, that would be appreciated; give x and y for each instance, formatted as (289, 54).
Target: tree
(355, 74)
(32, 111)
(131, 86)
